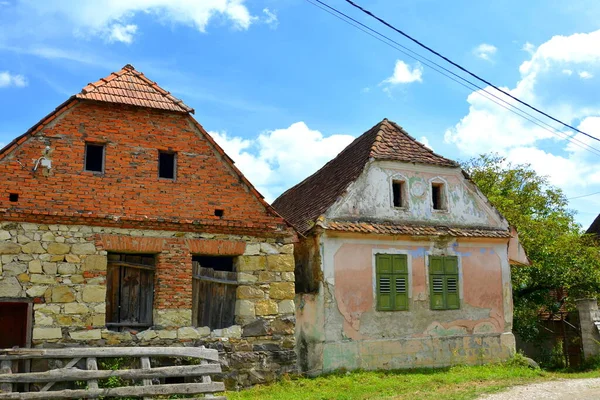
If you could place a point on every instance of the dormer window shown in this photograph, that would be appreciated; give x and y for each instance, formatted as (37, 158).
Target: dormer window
(399, 192)
(438, 196)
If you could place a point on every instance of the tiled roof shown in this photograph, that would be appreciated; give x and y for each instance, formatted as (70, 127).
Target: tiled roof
(302, 204)
(131, 87)
(390, 228)
(594, 228)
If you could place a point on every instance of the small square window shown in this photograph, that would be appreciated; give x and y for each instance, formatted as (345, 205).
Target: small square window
(94, 157)
(438, 198)
(166, 165)
(13, 197)
(398, 193)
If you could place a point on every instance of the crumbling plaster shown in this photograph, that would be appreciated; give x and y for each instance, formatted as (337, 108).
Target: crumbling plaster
(370, 197)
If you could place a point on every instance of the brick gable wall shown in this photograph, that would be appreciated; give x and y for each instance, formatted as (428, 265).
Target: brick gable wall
(129, 192)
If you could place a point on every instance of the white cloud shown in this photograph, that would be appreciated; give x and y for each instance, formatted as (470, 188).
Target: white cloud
(270, 18)
(528, 47)
(425, 142)
(7, 79)
(488, 127)
(112, 19)
(485, 51)
(403, 73)
(122, 33)
(278, 159)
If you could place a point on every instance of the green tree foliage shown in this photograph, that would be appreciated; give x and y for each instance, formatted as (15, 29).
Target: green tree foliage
(561, 256)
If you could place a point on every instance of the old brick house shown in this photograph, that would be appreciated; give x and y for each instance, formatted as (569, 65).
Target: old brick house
(402, 263)
(122, 222)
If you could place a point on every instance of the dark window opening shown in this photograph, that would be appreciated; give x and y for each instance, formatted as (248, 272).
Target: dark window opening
(219, 213)
(166, 165)
(397, 188)
(214, 287)
(13, 197)
(94, 157)
(437, 196)
(129, 291)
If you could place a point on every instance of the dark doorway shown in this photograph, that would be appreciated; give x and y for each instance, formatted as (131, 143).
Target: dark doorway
(13, 324)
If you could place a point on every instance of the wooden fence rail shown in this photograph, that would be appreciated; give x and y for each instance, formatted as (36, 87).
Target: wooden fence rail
(208, 359)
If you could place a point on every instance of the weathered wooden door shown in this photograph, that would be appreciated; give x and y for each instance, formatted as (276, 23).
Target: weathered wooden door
(214, 294)
(130, 290)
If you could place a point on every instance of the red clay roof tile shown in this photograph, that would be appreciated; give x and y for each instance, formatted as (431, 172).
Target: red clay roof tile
(131, 87)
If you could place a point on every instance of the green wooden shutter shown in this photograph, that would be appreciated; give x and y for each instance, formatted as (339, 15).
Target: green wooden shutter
(436, 283)
(384, 282)
(400, 268)
(451, 283)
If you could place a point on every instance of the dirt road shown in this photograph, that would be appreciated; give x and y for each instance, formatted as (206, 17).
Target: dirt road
(568, 389)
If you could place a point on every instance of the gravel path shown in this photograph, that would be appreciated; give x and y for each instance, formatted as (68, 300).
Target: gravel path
(567, 389)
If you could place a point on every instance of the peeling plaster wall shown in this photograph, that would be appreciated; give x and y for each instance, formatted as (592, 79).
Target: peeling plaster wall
(342, 329)
(370, 197)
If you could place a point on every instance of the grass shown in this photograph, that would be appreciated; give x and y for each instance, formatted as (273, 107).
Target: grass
(456, 383)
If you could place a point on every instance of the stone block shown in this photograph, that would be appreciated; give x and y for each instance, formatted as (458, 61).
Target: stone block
(203, 331)
(36, 291)
(47, 333)
(165, 334)
(286, 307)
(265, 307)
(67, 268)
(99, 320)
(76, 308)
(281, 262)
(187, 333)
(244, 308)
(58, 248)
(287, 249)
(33, 248)
(62, 294)
(251, 263)
(43, 279)
(77, 278)
(9, 248)
(35, 267)
(57, 258)
(170, 318)
(10, 287)
(14, 268)
(48, 237)
(260, 327)
(95, 263)
(83, 248)
(246, 278)
(283, 326)
(146, 335)
(50, 268)
(23, 278)
(249, 292)
(252, 249)
(288, 276)
(94, 294)
(43, 319)
(92, 334)
(4, 235)
(72, 258)
(233, 332)
(282, 291)
(266, 276)
(268, 248)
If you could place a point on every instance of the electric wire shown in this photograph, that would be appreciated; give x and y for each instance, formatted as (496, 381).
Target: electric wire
(584, 195)
(432, 64)
(369, 13)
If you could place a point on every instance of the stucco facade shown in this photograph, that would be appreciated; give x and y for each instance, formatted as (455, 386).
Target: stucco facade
(340, 324)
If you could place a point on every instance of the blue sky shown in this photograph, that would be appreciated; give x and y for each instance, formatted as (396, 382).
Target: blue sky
(284, 86)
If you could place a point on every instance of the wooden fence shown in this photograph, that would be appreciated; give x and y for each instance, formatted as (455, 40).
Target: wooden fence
(208, 358)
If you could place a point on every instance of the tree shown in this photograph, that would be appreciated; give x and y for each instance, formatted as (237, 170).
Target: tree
(562, 257)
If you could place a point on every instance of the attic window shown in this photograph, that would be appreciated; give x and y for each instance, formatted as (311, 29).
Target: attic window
(398, 195)
(438, 197)
(94, 157)
(166, 165)
(13, 197)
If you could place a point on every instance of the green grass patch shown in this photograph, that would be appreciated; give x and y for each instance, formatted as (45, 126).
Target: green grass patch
(456, 383)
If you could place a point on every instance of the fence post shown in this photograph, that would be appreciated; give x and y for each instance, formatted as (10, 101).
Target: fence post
(589, 315)
(6, 368)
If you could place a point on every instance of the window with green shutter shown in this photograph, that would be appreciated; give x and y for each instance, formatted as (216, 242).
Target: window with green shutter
(392, 282)
(443, 282)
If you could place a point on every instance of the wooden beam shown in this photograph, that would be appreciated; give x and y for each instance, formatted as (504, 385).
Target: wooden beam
(6, 368)
(76, 374)
(216, 280)
(92, 365)
(70, 364)
(134, 391)
(145, 364)
(99, 352)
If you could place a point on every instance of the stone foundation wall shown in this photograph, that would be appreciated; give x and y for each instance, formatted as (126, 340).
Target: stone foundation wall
(62, 269)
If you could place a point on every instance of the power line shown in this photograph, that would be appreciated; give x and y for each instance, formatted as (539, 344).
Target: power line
(584, 195)
(369, 13)
(432, 64)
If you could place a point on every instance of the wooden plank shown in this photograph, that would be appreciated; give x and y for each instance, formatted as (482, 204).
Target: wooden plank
(92, 365)
(6, 368)
(206, 378)
(139, 391)
(112, 293)
(131, 265)
(145, 364)
(99, 352)
(76, 374)
(146, 296)
(70, 364)
(216, 280)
